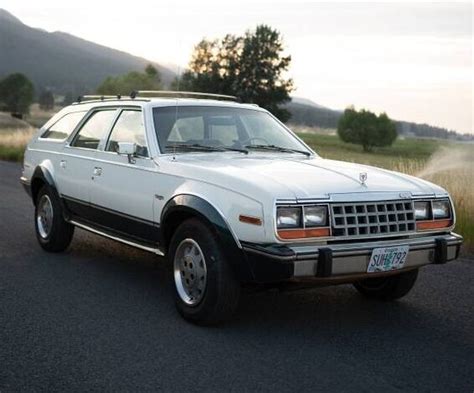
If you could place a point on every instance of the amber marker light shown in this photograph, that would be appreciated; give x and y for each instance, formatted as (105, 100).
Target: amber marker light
(250, 220)
(434, 224)
(289, 234)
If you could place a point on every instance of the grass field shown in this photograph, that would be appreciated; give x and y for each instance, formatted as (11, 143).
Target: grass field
(449, 164)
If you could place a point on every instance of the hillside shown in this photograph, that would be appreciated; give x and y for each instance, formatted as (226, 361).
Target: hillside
(309, 114)
(60, 61)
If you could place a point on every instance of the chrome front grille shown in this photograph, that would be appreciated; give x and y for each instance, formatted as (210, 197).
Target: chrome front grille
(372, 218)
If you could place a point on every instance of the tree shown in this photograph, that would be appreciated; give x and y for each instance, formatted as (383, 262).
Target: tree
(125, 84)
(46, 100)
(251, 67)
(366, 129)
(68, 99)
(16, 93)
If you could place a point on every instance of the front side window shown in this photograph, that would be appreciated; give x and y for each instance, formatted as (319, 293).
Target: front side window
(129, 128)
(64, 126)
(94, 129)
(220, 128)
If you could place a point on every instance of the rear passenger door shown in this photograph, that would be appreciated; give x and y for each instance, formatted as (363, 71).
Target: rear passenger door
(123, 194)
(76, 168)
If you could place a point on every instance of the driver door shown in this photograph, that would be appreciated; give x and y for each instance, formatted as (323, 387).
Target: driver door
(123, 190)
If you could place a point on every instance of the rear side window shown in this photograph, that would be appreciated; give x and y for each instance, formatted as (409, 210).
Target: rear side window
(94, 129)
(129, 128)
(64, 126)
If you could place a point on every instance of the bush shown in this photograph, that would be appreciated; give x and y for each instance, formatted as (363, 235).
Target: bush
(366, 128)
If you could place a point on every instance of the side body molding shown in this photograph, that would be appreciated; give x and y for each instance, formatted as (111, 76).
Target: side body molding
(183, 205)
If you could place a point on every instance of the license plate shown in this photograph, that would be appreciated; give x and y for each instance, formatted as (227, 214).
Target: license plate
(387, 258)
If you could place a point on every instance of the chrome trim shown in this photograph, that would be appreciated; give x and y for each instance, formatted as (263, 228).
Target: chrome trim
(352, 259)
(344, 249)
(156, 251)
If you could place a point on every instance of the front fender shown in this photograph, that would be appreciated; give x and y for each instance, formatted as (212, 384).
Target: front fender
(186, 205)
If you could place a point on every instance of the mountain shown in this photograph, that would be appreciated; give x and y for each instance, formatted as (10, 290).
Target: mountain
(308, 113)
(305, 101)
(60, 61)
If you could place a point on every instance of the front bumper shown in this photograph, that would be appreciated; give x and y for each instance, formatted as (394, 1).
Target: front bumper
(339, 262)
(26, 184)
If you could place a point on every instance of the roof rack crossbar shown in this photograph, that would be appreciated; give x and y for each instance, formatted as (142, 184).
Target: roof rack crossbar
(98, 97)
(181, 94)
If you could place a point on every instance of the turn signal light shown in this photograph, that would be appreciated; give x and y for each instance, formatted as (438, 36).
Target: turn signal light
(289, 234)
(435, 224)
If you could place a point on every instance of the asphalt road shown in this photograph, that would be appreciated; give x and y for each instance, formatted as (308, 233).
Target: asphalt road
(99, 317)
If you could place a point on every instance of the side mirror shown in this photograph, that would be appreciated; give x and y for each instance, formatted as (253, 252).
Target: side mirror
(128, 149)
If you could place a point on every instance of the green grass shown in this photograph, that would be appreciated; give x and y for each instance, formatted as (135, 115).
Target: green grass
(330, 146)
(11, 153)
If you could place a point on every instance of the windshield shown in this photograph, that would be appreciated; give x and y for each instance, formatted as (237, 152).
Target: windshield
(210, 128)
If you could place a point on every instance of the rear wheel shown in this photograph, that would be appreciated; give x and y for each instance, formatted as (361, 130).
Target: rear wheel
(54, 234)
(206, 291)
(388, 288)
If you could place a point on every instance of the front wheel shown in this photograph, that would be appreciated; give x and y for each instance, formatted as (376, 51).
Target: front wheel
(388, 288)
(206, 291)
(54, 234)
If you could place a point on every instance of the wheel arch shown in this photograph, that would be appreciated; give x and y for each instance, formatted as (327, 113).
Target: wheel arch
(185, 206)
(40, 177)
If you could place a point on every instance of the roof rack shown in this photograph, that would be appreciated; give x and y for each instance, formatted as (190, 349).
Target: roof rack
(181, 94)
(98, 97)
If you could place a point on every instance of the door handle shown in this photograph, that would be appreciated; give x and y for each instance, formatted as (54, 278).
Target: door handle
(97, 171)
(62, 164)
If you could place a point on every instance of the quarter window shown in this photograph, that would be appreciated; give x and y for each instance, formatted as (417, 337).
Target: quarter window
(94, 130)
(64, 126)
(129, 128)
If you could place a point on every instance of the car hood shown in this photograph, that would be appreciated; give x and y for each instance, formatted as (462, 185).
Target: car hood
(289, 176)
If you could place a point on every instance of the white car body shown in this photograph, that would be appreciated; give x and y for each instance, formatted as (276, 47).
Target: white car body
(235, 185)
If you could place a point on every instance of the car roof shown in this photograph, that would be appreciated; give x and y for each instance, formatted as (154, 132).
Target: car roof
(152, 102)
(158, 102)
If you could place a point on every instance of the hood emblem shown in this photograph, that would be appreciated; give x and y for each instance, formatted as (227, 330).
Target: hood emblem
(363, 178)
(405, 195)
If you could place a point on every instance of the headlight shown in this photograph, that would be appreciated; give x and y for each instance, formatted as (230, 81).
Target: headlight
(315, 216)
(289, 217)
(422, 210)
(441, 209)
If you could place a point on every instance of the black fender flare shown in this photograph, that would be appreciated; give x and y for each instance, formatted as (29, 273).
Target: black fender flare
(44, 175)
(191, 205)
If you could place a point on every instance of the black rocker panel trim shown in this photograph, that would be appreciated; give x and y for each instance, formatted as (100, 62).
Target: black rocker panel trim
(122, 225)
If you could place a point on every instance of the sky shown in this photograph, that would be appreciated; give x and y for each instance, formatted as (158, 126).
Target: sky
(413, 61)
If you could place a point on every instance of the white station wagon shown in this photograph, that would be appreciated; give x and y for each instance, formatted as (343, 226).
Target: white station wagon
(230, 196)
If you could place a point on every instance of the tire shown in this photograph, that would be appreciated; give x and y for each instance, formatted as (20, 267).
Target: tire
(194, 253)
(388, 288)
(54, 234)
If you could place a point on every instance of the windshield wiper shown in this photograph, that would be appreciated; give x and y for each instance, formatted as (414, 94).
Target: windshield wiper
(278, 148)
(199, 147)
